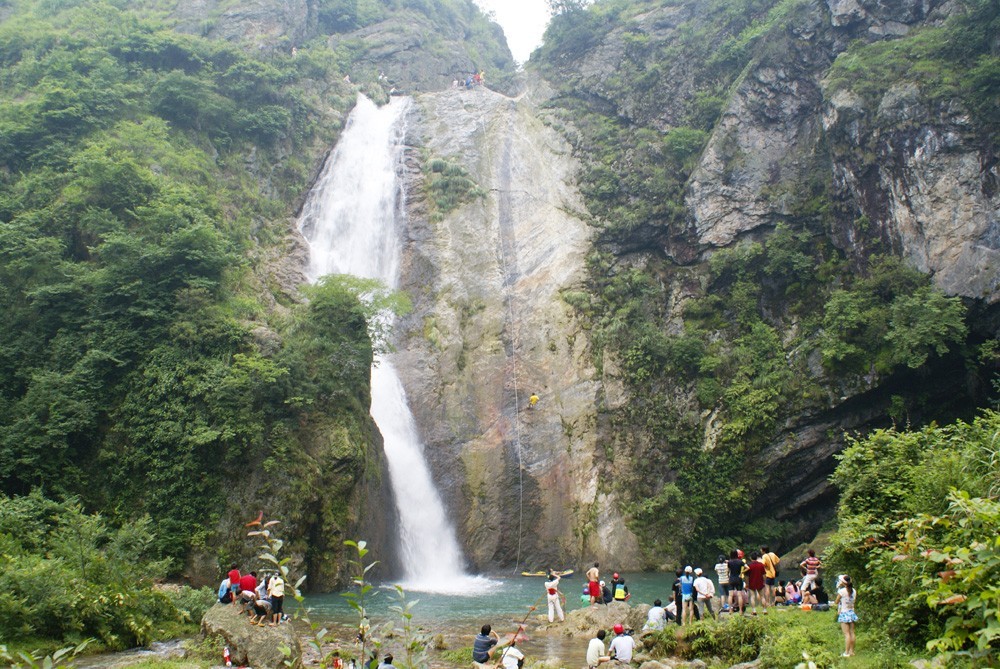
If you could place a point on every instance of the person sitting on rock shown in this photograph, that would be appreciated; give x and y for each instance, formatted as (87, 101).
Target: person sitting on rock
(225, 592)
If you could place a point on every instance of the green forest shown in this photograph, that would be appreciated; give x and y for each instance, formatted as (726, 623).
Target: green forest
(160, 376)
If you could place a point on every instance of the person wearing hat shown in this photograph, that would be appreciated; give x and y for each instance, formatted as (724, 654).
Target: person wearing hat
(621, 646)
(705, 590)
(687, 596)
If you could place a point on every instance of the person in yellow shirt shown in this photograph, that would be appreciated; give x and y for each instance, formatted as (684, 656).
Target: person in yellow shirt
(533, 400)
(770, 561)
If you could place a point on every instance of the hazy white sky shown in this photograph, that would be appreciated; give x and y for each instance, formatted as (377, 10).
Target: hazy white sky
(523, 21)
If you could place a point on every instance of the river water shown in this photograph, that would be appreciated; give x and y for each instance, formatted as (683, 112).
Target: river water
(503, 604)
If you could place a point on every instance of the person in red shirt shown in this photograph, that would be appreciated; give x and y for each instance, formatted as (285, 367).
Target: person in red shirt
(234, 583)
(248, 587)
(756, 572)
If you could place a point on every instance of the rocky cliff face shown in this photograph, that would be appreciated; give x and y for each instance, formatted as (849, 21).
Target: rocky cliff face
(490, 329)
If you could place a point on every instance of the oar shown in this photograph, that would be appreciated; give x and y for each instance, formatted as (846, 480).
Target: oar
(520, 626)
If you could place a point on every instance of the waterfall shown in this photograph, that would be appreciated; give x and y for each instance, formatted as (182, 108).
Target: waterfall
(351, 220)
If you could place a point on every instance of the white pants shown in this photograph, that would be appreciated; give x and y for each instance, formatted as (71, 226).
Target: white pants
(555, 608)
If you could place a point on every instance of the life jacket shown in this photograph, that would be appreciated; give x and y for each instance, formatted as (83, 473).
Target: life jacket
(620, 593)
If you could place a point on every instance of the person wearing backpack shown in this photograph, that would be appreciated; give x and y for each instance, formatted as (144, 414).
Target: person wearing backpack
(771, 562)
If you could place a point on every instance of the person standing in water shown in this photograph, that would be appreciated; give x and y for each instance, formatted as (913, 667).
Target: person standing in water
(552, 595)
(594, 582)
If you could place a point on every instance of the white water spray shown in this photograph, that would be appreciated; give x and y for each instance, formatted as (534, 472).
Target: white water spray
(351, 221)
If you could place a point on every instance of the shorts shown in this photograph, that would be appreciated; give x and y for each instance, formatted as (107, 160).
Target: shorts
(686, 598)
(847, 617)
(276, 604)
(736, 585)
(771, 581)
(725, 589)
(595, 589)
(235, 588)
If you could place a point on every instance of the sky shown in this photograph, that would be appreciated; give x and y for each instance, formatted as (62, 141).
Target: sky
(523, 21)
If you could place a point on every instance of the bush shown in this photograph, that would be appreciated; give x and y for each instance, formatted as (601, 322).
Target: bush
(738, 640)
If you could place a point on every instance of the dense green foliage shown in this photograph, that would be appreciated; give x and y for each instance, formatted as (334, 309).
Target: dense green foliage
(129, 375)
(68, 575)
(919, 530)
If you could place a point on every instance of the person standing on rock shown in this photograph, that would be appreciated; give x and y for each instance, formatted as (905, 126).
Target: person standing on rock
(594, 582)
(553, 596)
(595, 651)
(234, 582)
(276, 591)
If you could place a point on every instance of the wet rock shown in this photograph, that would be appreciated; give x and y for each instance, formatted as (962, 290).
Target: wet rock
(251, 645)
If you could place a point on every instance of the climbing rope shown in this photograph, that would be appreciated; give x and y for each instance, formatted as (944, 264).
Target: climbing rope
(508, 293)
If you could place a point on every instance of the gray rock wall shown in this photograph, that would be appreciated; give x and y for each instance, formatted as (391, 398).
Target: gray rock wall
(490, 328)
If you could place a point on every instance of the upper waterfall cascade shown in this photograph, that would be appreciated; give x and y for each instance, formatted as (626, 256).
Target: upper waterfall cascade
(352, 221)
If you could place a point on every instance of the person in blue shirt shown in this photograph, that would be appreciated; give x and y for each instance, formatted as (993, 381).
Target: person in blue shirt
(484, 644)
(687, 595)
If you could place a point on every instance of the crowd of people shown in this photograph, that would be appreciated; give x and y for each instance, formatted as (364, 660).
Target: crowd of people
(745, 583)
(262, 601)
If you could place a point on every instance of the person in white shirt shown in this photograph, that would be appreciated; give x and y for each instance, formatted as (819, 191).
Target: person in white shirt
(552, 595)
(621, 646)
(595, 651)
(705, 590)
(511, 657)
(656, 619)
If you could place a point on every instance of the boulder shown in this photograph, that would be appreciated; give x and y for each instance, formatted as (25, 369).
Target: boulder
(584, 623)
(261, 647)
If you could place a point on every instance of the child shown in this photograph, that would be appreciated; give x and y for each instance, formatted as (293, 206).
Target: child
(792, 594)
(846, 596)
(779, 593)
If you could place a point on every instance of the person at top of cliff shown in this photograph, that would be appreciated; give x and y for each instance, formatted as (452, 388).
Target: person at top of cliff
(594, 583)
(553, 597)
(533, 400)
(484, 645)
